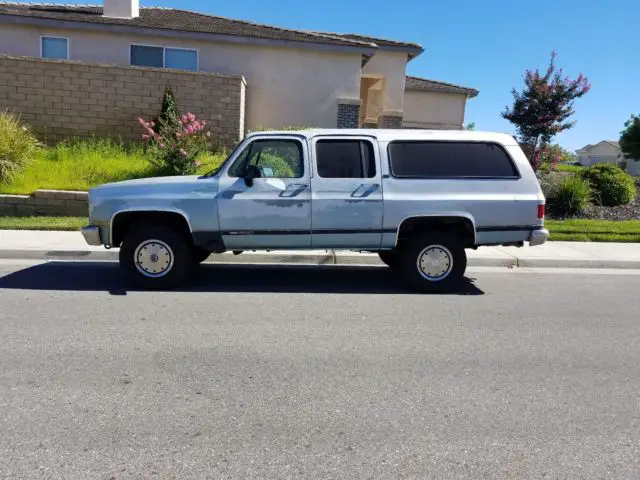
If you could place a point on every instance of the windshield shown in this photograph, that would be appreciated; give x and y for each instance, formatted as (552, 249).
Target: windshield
(222, 164)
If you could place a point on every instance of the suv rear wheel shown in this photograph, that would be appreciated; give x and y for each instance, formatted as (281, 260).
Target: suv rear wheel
(156, 257)
(433, 262)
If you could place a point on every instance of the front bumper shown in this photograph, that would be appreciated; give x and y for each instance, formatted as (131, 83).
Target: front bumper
(538, 237)
(92, 235)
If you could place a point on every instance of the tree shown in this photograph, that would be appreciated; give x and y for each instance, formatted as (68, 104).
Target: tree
(630, 138)
(169, 115)
(543, 108)
(470, 126)
(554, 153)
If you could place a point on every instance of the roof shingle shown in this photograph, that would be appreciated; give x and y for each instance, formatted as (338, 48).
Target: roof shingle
(425, 85)
(178, 20)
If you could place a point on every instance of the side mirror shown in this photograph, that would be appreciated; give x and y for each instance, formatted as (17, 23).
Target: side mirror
(250, 173)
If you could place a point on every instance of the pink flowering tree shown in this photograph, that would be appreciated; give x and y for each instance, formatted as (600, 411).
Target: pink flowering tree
(174, 146)
(543, 108)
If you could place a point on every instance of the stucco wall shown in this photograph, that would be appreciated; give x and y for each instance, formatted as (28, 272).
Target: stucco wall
(284, 86)
(434, 110)
(392, 66)
(633, 167)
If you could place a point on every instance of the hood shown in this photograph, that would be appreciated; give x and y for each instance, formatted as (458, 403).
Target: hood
(152, 181)
(156, 187)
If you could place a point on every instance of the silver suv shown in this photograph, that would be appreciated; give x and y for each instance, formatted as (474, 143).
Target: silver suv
(417, 198)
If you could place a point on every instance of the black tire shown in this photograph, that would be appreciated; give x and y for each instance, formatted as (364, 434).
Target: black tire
(443, 245)
(200, 255)
(389, 258)
(179, 253)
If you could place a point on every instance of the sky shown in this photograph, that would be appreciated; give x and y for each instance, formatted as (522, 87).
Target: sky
(487, 45)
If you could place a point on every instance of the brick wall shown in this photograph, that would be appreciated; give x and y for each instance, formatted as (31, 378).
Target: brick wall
(45, 202)
(60, 99)
(348, 113)
(390, 121)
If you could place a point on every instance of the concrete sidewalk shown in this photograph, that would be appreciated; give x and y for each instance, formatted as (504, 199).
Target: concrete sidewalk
(19, 244)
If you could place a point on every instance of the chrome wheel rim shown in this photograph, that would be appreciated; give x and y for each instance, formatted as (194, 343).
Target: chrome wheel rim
(153, 258)
(435, 263)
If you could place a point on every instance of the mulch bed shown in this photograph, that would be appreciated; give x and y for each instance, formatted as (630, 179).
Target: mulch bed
(622, 212)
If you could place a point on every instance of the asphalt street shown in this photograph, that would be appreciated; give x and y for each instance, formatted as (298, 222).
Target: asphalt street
(317, 372)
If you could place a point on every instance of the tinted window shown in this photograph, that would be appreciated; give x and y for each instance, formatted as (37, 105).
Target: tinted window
(274, 159)
(450, 160)
(345, 159)
(147, 56)
(181, 59)
(53, 47)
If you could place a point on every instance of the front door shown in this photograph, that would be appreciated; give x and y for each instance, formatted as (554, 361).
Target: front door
(346, 193)
(274, 211)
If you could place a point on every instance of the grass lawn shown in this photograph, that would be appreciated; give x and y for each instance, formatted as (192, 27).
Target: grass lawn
(82, 164)
(568, 230)
(43, 223)
(594, 230)
(569, 168)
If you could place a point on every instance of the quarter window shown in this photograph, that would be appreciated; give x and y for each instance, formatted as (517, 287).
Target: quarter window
(415, 159)
(54, 47)
(162, 57)
(274, 159)
(345, 159)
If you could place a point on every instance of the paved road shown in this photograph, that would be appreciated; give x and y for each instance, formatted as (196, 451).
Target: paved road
(305, 373)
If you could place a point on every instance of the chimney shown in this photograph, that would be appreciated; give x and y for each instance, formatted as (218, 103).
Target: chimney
(121, 8)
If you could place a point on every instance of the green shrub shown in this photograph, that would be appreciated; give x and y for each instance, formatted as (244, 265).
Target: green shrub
(17, 146)
(612, 186)
(572, 195)
(548, 182)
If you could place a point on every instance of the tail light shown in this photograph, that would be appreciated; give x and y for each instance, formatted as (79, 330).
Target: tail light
(541, 211)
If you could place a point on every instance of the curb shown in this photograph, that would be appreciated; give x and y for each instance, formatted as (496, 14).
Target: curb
(327, 257)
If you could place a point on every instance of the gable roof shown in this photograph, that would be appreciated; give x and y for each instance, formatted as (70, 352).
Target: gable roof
(170, 19)
(425, 85)
(413, 49)
(615, 144)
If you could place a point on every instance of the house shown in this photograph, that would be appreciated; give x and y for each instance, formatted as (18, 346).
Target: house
(288, 77)
(607, 151)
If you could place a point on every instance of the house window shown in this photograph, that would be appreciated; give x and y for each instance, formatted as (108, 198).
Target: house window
(162, 57)
(54, 47)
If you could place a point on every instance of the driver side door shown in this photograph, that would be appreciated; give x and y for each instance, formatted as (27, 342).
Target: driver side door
(274, 209)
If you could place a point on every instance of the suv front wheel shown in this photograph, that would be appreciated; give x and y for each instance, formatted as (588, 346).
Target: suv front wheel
(156, 257)
(433, 262)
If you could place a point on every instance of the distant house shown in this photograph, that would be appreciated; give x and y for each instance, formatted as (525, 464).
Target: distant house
(607, 151)
(292, 77)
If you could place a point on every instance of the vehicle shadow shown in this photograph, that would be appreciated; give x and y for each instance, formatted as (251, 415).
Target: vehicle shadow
(106, 276)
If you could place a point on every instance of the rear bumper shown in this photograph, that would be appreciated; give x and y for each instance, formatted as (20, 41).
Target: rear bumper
(92, 235)
(538, 237)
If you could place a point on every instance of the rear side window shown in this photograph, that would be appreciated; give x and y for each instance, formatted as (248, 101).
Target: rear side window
(345, 159)
(450, 160)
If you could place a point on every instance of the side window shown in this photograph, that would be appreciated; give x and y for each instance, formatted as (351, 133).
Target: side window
(274, 159)
(417, 159)
(345, 159)
(54, 47)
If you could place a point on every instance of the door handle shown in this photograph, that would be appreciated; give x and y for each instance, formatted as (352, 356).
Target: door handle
(294, 189)
(364, 190)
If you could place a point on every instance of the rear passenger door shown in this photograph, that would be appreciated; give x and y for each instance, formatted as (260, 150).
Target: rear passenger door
(346, 193)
